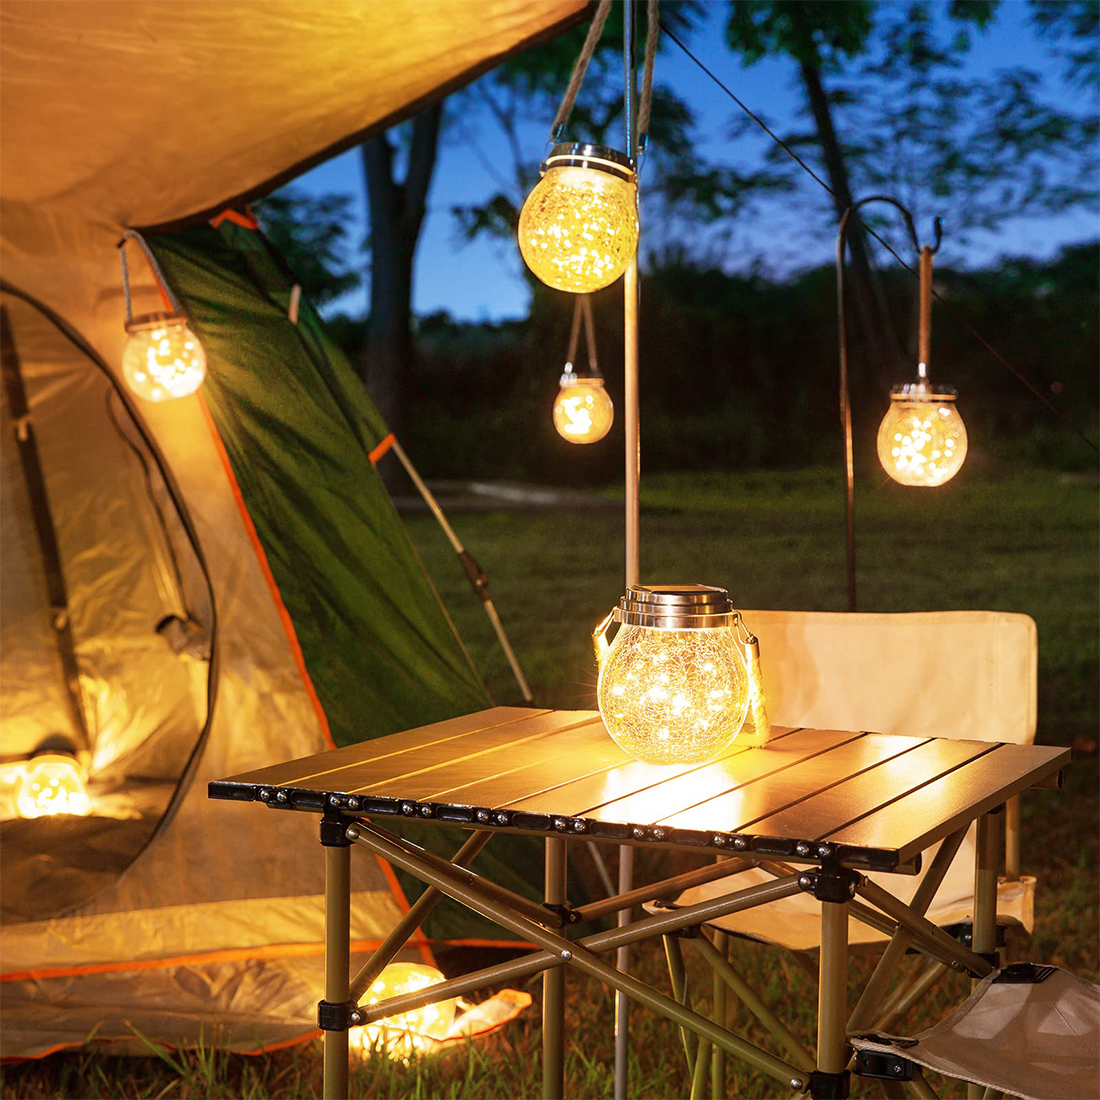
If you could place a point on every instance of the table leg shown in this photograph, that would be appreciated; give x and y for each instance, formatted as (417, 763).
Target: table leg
(832, 997)
(718, 1057)
(553, 984)
(622, 962)
(986, 862)
(337, 964)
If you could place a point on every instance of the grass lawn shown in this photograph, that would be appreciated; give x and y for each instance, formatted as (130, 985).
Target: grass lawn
(1025, 543)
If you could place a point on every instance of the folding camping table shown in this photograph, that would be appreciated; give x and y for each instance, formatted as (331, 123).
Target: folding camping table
(837, 803)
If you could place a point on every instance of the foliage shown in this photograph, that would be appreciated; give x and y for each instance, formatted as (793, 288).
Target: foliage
(311, 233)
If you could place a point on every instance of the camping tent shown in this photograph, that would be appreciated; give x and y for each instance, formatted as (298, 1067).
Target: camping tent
(229, 581)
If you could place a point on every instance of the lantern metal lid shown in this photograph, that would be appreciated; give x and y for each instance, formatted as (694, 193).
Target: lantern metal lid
(676, 606)
(155, 320)
(922, 391)
(579, 154)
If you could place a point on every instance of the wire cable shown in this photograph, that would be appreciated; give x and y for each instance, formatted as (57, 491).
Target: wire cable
(955, 313)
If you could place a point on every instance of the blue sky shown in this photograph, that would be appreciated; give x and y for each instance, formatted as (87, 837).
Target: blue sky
(488, 285)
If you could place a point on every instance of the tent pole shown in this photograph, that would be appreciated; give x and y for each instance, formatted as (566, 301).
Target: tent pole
(632, 477)
(478, 580)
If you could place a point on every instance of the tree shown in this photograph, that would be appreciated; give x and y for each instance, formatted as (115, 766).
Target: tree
(311, 233)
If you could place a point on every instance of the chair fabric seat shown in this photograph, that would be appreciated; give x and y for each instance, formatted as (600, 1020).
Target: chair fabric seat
(795, 922)
(1038, 1040)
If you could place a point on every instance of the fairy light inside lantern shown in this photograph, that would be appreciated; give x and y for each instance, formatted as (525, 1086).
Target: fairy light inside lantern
(52, 784)
(922, 437)
(162, 359)
(578, 229)
(407, 1032)
(673, 685)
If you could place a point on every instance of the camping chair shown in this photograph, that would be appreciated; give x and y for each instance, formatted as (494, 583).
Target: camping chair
(959, 674)
(1030, 1031)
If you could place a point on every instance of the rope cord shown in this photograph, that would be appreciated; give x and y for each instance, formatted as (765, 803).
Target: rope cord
(151, 260)
(582, 309)
(580, 67)
(645, 104)
(956, 314)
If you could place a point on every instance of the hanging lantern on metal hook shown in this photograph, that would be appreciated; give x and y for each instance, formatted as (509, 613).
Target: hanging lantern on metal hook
(922, 438)
(162, 358)
(583, 412)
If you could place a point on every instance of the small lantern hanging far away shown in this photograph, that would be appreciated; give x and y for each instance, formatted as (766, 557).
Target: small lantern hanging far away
(583, 412)
(673, 684)
(922, 437)
(578, 229)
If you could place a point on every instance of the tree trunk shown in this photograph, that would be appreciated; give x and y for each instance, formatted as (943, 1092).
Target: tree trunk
(397, 211)
(883, 343)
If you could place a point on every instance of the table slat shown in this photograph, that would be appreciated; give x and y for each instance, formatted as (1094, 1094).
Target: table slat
(468, 755)
(658, 802)
(938, 808)
(539, 766)
(573, 798)
(333, 760)
(827, 811)
(742, 807)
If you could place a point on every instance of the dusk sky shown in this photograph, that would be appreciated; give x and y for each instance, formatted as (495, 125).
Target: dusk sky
(481, 280)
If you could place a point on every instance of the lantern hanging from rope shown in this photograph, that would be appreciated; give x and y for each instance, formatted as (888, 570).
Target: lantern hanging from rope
(162, 358)
(583, 412)
(922, 438)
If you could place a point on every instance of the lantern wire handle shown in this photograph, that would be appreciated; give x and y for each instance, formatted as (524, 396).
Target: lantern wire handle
(842, 330)
(590, 336)
(162, 283)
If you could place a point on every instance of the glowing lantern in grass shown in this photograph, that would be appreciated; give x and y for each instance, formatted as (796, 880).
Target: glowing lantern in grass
(162, 359)
(578, 229)
(673, 684)
(583, 412)
(412, 1031)
(52, 784)
(922, 437)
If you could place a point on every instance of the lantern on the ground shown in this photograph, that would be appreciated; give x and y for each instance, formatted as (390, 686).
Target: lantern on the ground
(673, 685)
(922, 437)
(162, 359)
(578, 229)
(52, 784)
(412, 1031)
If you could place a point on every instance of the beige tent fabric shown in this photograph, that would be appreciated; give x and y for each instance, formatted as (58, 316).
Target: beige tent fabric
(143, 112)
(1040, 1041)
(963, 674)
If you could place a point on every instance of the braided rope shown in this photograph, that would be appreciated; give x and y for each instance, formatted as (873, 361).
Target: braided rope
(653, 30)
(580, 67)
(158, 274)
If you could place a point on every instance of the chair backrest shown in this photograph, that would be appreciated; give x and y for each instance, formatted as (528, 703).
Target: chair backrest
(965, 674)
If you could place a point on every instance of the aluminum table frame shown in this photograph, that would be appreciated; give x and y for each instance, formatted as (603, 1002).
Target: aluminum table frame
(835, 802)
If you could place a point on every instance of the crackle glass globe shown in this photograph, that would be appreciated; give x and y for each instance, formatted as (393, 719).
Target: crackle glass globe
(673, 696)
(922, 441)
(163, 360)
(413, 1031)
(583, 411)
(578, 229)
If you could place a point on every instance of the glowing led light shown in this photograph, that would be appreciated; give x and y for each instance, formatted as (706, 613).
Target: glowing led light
(673, 685)
(52, 784)
(408, 1032)
(583, 411)
(162, 359)
(578, 229)
(922, 437)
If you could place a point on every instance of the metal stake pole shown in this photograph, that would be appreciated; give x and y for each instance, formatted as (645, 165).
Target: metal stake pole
(677, 975)
(718, 1058)
(337, 965)
(832, 997)
(986, 862)
(632, 477)
(553, 985)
